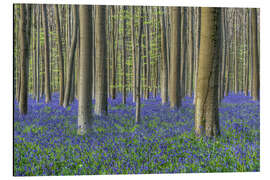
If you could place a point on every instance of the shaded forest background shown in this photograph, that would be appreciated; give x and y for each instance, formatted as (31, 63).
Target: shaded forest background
(144, 51)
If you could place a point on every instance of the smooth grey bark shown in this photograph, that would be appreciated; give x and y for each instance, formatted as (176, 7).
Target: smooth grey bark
(184, 53)
(47, 54)
(175, 94)
(190, 52)
(37, 52)
(148, 57)
(60, 55)
(236, 84)
(164, 65)
(206, 106)
(133, 53)
(24, 36)
(71, 58)
(85, 84)
(198, 19)
(138, 83)
(223, 56)
(124, 56)
(255, 56)
(34, 56)
(101, 106)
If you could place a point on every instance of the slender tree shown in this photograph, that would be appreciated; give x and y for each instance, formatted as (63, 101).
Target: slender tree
(124, 55)
(47, 54)
(101, 106)
(71, 58)
(133, 53)
(60, 55)
(37, 52)
(138, 83)
(190, 52)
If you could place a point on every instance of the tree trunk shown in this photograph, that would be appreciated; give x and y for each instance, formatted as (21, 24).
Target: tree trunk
(190, 52)
(198, 29)
(138, 84)
(101, 67)
(206, 108)
(175, 94)
(85, 84)
(47, 54)
(70, 71)
(133, 54)
(148, 57)
(60, 56)
(164, 65)
(34, 56)
(124, 56)
(235, 60)
(255, 57)
(24, 36)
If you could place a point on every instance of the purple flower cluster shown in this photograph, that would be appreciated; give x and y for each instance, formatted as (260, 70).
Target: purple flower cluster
(46, 143)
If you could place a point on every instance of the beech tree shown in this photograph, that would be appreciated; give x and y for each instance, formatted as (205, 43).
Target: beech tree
(46, 54)
(206, 106)
(101, 106)
(139, 51)
(164, 65)
(138, 83)
(175, 101)
(60, 55)
(71, 59)
(255, 56)
(24, 36)
(85, 84)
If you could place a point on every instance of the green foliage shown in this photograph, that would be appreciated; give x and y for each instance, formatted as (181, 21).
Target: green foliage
(34, 129)
(47, 109)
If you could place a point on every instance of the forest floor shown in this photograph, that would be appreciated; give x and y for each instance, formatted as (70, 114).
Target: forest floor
(45, 140)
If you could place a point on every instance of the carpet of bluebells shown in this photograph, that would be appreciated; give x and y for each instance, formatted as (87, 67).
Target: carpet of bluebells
(45, 140)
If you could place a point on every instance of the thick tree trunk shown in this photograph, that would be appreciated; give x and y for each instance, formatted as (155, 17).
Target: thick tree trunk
(85, 84)
(164, 65)
(255, 57)
(101, 106)
(175, 94)
(206, 109)
(24, 36)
